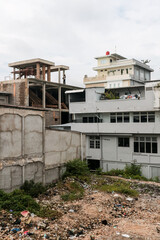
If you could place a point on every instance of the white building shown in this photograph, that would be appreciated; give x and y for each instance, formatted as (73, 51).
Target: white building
(114, 71)
(119, 131)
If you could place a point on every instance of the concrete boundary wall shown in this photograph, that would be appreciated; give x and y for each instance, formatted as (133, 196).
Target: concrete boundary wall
(29, 151)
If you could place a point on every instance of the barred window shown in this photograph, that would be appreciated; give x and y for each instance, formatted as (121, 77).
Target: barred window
(94, 141)
(145, 144)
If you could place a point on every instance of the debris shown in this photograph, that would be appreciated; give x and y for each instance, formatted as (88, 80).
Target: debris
(125, 235)
(24, 213)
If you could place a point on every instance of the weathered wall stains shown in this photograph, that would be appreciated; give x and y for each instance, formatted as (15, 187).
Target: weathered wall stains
(29, 151)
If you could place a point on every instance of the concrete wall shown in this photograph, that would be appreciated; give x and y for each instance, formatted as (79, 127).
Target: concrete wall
(29, 151)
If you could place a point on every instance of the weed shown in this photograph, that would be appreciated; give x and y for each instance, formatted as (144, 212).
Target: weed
(76, 168)
(119, 187)
(33, 189)
(74, 191)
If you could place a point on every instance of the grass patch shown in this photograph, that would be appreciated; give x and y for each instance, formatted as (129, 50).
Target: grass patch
(74, 191)
(117, 186)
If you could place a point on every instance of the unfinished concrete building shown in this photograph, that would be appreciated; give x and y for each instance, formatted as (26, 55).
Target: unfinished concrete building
(32, 86)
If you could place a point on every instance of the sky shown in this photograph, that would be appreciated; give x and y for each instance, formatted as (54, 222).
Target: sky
(73, 32)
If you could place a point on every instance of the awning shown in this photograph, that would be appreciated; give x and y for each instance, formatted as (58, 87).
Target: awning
(74, 91)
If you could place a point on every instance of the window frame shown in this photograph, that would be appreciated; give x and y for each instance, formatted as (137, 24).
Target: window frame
(122, 142)
(147, 144)
(94, 142)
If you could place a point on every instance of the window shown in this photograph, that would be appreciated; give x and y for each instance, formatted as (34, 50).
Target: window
(119, 117)
(144, 117)
(91, 119)
(123, 142)
(103, 61)
(126, 70)
(122, 70)
(112, 117)
(145, 144)
(94, 141)
(110, 60)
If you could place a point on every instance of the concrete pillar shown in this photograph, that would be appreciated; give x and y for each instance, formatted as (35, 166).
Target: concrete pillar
(48, 73)
(38, 70)
(44, 95)
(59, 75)
(43, 72)
(14, 75)
(64, 77)
(59, 102)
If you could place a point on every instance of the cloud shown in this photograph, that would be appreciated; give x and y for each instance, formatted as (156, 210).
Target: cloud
(74, 32)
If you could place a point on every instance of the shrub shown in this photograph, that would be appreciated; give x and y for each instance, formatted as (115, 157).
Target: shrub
(76, 168)
(18, 201)
(33, 189)
(133, 169)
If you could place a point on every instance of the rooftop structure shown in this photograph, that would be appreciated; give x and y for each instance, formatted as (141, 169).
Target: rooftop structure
(37, 68)
(34, 85)
(114, 70)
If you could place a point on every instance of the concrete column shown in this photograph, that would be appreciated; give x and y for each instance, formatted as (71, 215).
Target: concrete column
(44, 95)
(59, 102)
(43, 72)
(59, 75)
(48, 74)
(14, 75)
(64, 77)
(38, 70)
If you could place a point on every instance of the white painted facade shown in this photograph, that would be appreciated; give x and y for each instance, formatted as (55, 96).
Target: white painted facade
(120, 131)
(116, 71)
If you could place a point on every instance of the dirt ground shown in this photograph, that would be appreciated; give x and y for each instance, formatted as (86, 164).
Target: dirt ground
(97, 216)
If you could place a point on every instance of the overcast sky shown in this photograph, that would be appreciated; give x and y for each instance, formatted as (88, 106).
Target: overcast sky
(73, 32)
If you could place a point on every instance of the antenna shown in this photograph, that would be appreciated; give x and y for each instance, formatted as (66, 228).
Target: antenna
(145, 61)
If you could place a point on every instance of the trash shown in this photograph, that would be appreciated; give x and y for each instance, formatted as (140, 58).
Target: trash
(129, 199)
(71, 210)
(104, 222)
(24, 213)
(125, 235)
(25, 233)
(14, 230)
(18, 221)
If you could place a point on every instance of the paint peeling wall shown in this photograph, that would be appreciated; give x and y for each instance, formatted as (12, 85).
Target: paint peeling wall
(29, 151)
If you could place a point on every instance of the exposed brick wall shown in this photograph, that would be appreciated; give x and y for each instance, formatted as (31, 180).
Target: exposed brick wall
(19, 90)
(52, 118)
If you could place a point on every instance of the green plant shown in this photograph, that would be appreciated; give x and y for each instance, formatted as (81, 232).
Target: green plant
(98, 171)
(133, 169)
(76, 168)
(18, 201)
(119, 187)
(33, 189)
(74, 191)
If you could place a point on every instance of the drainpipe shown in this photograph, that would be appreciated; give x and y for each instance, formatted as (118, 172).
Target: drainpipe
(43, 148)
(81, 147)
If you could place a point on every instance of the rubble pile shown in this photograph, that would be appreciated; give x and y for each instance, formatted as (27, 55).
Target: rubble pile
(96, 216)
